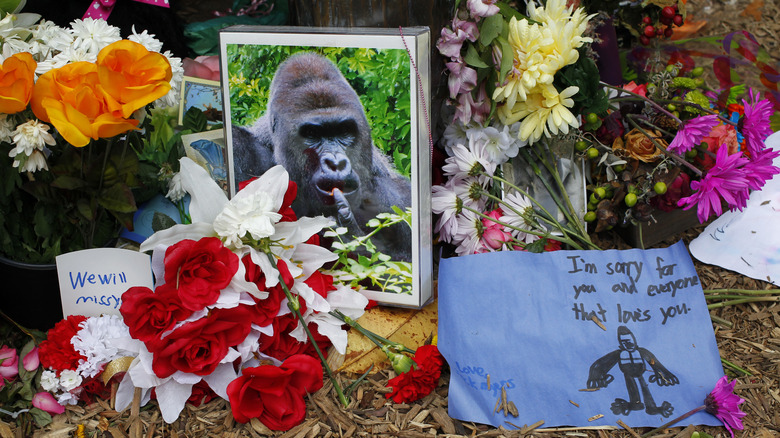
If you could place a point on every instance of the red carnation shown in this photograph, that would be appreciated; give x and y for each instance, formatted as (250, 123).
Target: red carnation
(57, 352)
(199, 270)
(419, 381)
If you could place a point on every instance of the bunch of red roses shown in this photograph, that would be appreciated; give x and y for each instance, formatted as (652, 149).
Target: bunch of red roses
(236, 293)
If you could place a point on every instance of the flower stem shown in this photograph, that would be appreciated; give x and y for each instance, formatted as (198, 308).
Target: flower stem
(742, 301)
(373, 337)
(743, 291)
(676, 420)
(294, 306)
(735, 367)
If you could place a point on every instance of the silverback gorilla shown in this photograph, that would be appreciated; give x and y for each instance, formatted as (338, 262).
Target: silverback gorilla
(315, 127)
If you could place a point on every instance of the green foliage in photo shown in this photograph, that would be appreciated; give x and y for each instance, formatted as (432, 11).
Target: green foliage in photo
(380, 78)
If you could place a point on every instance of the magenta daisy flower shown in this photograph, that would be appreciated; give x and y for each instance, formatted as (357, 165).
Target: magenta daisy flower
(726, 181)
(692, 132)
(724, 404)
(761, 168)
(755, 123)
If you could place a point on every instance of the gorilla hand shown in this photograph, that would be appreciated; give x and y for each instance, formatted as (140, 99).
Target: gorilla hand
(664, 378)
(600, 381)
(345, 217)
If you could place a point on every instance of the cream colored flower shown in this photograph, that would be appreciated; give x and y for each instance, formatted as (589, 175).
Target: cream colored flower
(30, 136)
(544, 112)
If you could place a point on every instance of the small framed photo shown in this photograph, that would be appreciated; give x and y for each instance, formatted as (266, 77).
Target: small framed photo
(203, 94)
(208, 149)
(344, 111)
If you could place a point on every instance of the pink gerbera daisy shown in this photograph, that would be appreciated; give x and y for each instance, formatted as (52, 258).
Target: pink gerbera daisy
(755, 124)
(726, 181)
(761, 168)
(692, 132)
(724, 404)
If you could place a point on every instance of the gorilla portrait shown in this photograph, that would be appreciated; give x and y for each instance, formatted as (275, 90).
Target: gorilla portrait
(315, 127)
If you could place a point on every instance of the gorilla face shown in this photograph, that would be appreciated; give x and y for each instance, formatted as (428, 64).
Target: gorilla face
(326, 144)
(321, 134)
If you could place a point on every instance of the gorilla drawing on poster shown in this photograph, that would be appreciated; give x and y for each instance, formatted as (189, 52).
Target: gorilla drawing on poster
(633, 361)
(315, 127)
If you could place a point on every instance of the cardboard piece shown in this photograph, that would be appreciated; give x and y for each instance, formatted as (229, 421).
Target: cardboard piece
(92, 281)
(525, 322)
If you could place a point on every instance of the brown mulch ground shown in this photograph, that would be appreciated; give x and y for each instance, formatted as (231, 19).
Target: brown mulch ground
(749, 337)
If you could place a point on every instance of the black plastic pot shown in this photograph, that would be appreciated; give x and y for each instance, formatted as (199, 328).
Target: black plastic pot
(30, 293)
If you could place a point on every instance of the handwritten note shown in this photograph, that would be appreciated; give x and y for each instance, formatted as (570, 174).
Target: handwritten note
(577, 338)
(92, 281)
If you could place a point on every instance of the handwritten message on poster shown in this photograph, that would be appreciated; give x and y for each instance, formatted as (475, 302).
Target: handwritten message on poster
(577, 338)
(92, 281)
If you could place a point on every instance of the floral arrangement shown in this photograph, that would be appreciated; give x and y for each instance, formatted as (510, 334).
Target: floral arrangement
(526, 94)
(239, 303)
(72, 104)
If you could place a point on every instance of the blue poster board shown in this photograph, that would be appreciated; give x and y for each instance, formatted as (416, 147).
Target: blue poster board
(527, 323)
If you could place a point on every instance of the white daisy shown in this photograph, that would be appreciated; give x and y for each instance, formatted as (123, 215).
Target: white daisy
(29, 136)
(93, 35)
(146, 39)
(35, 162)
(469, 233)
(518, 213)
(469, 161)
(174, 94)
(447, 201)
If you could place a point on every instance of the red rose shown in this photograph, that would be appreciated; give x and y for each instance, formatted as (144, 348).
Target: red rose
(199, 270)
(199, 346)
(150, 314)
(420, 381)
(56, 352)
(288, 215)
(321, 283)
(201, 393)
(274, 395)
(265, 310)
(281, 345)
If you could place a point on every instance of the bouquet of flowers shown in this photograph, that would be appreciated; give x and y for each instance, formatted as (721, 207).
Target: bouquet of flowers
(72, 102)
(239, 304)
(527, 97)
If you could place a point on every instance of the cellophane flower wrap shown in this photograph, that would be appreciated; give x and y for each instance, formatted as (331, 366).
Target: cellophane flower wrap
(218, 314)
(73, 105)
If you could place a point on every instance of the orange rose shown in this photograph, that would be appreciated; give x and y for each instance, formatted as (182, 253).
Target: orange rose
(17, 77)
(131, 76)
(637, 146)
(69, 99)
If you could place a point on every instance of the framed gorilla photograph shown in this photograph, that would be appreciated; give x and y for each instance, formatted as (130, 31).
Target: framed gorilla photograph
(344, 111)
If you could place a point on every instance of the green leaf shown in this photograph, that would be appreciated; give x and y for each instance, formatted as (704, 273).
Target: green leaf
(11, 6)
(118, 198)
(490, 29)
(68, 182)
(41, 417)
(194, 120)
(161, 221)
(507, 59)
(472, 57)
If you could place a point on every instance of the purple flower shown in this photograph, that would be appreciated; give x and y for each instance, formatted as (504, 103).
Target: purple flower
(761, 168)
(462, 78)
(726, 181)
(474, 110)
(755, 124)
(724, 404)
(451, 40)
(482, 8)
(692, 132)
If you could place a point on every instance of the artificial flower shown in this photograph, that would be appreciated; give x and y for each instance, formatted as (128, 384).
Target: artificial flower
(199, 270)
(680, 187)
(57, 352)
(725, 181)
(29, 137)
(274, 395)
(419, 381)
(9, 363)
(447, 202)
(204, 67)
(724, 404)
(755, 126)
(17, 76)
(70, 98)
(95, 341)
(482, 8)
(451, 40)
(31, 360)
(70, 380)
(93, 35)
(149, 314)
(462, 78)
(636, 145)
(47, 402)
(131, 76)
(691, 133)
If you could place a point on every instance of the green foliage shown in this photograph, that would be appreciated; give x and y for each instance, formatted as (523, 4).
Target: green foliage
(380, 77)
(361, 266)
(591, 97)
